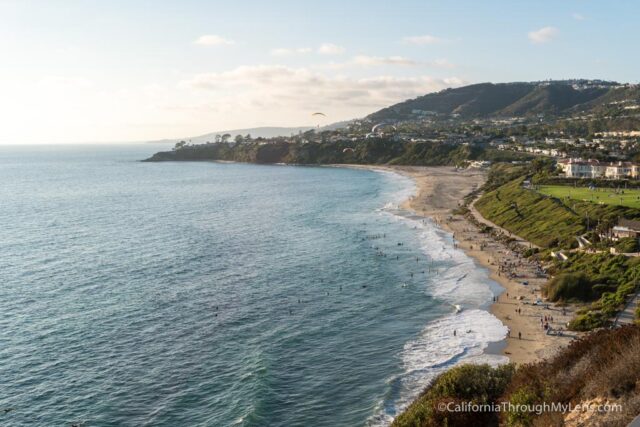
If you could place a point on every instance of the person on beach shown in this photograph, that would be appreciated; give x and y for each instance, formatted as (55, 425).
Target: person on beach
(519, 335)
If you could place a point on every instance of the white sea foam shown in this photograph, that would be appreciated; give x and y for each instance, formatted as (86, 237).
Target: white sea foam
(437, 348)
(408, 190)
(456, 279)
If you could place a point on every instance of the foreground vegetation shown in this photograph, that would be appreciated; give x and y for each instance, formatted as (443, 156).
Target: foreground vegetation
(603, 367)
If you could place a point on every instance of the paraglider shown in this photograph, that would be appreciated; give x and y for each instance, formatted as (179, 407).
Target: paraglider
(318, 116)
(382, 128)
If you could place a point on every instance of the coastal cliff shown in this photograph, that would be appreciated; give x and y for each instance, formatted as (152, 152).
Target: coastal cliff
(366, 151)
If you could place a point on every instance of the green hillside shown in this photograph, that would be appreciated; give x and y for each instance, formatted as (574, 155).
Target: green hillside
(544, 220)
(511, 99)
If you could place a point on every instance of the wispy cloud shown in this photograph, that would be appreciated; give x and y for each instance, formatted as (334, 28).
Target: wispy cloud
(441, 63)
(286, 90)
(376, 61)
(578, 17)
(64, 82)
(213, 40)
(331, 49)
(423, 40)
(290, 51)
(366, 60)
(543, 35)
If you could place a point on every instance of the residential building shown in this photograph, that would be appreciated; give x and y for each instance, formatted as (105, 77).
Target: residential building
(626, 228)
(579, 168)
(618, 170)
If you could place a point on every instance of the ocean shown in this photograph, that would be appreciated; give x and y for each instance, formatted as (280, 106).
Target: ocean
(209, 294)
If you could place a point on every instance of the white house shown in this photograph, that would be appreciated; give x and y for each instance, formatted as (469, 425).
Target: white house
(619, 170)
(579, 168)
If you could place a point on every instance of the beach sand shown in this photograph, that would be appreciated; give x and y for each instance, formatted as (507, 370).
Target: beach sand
(442, 189)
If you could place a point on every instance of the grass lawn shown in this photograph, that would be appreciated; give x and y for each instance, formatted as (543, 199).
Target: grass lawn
(629, 198)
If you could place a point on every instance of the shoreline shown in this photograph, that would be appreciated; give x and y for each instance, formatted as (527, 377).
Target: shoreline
(439, 191)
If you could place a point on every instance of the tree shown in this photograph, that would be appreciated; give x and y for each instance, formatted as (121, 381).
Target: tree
(225, 137)
(539, 165)
(239, 139)
(179, 145)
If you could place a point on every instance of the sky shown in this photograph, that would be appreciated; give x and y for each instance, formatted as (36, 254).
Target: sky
(107, 71)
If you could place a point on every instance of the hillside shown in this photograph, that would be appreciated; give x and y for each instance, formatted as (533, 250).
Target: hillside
(600, 369)
(552, 99)
(546, 221)
(509, 99)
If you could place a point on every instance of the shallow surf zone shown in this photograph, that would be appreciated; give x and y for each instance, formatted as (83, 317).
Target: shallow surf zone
(459, 337)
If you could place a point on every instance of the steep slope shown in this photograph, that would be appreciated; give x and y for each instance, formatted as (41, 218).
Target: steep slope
(479, 99)
(616, 96)
(552, 99)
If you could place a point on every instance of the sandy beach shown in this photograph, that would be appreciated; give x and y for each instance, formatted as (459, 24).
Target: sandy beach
(439, 191)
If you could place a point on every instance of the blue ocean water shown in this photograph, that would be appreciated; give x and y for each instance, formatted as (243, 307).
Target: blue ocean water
(207, 294)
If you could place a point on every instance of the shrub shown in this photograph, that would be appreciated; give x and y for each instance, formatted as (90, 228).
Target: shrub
(588, 321)
(627, 245)
(569, 286)
(479, 384)
(521, 397)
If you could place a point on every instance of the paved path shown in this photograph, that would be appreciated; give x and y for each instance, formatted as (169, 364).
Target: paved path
(628, 315)
(478, 216)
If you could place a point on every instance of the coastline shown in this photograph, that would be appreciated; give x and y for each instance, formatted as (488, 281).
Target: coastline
(438, 192)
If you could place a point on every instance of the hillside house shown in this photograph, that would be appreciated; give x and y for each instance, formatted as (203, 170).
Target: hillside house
(626, 228)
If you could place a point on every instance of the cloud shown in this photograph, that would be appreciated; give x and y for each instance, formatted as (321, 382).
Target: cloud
(287, 51)
(56, 82)
(365, 60)
(375, 61)
(284, 90)
(543, 35)
(578, 17)
(330, 49)
(441, 63)
(213, 40)
(423, 40)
